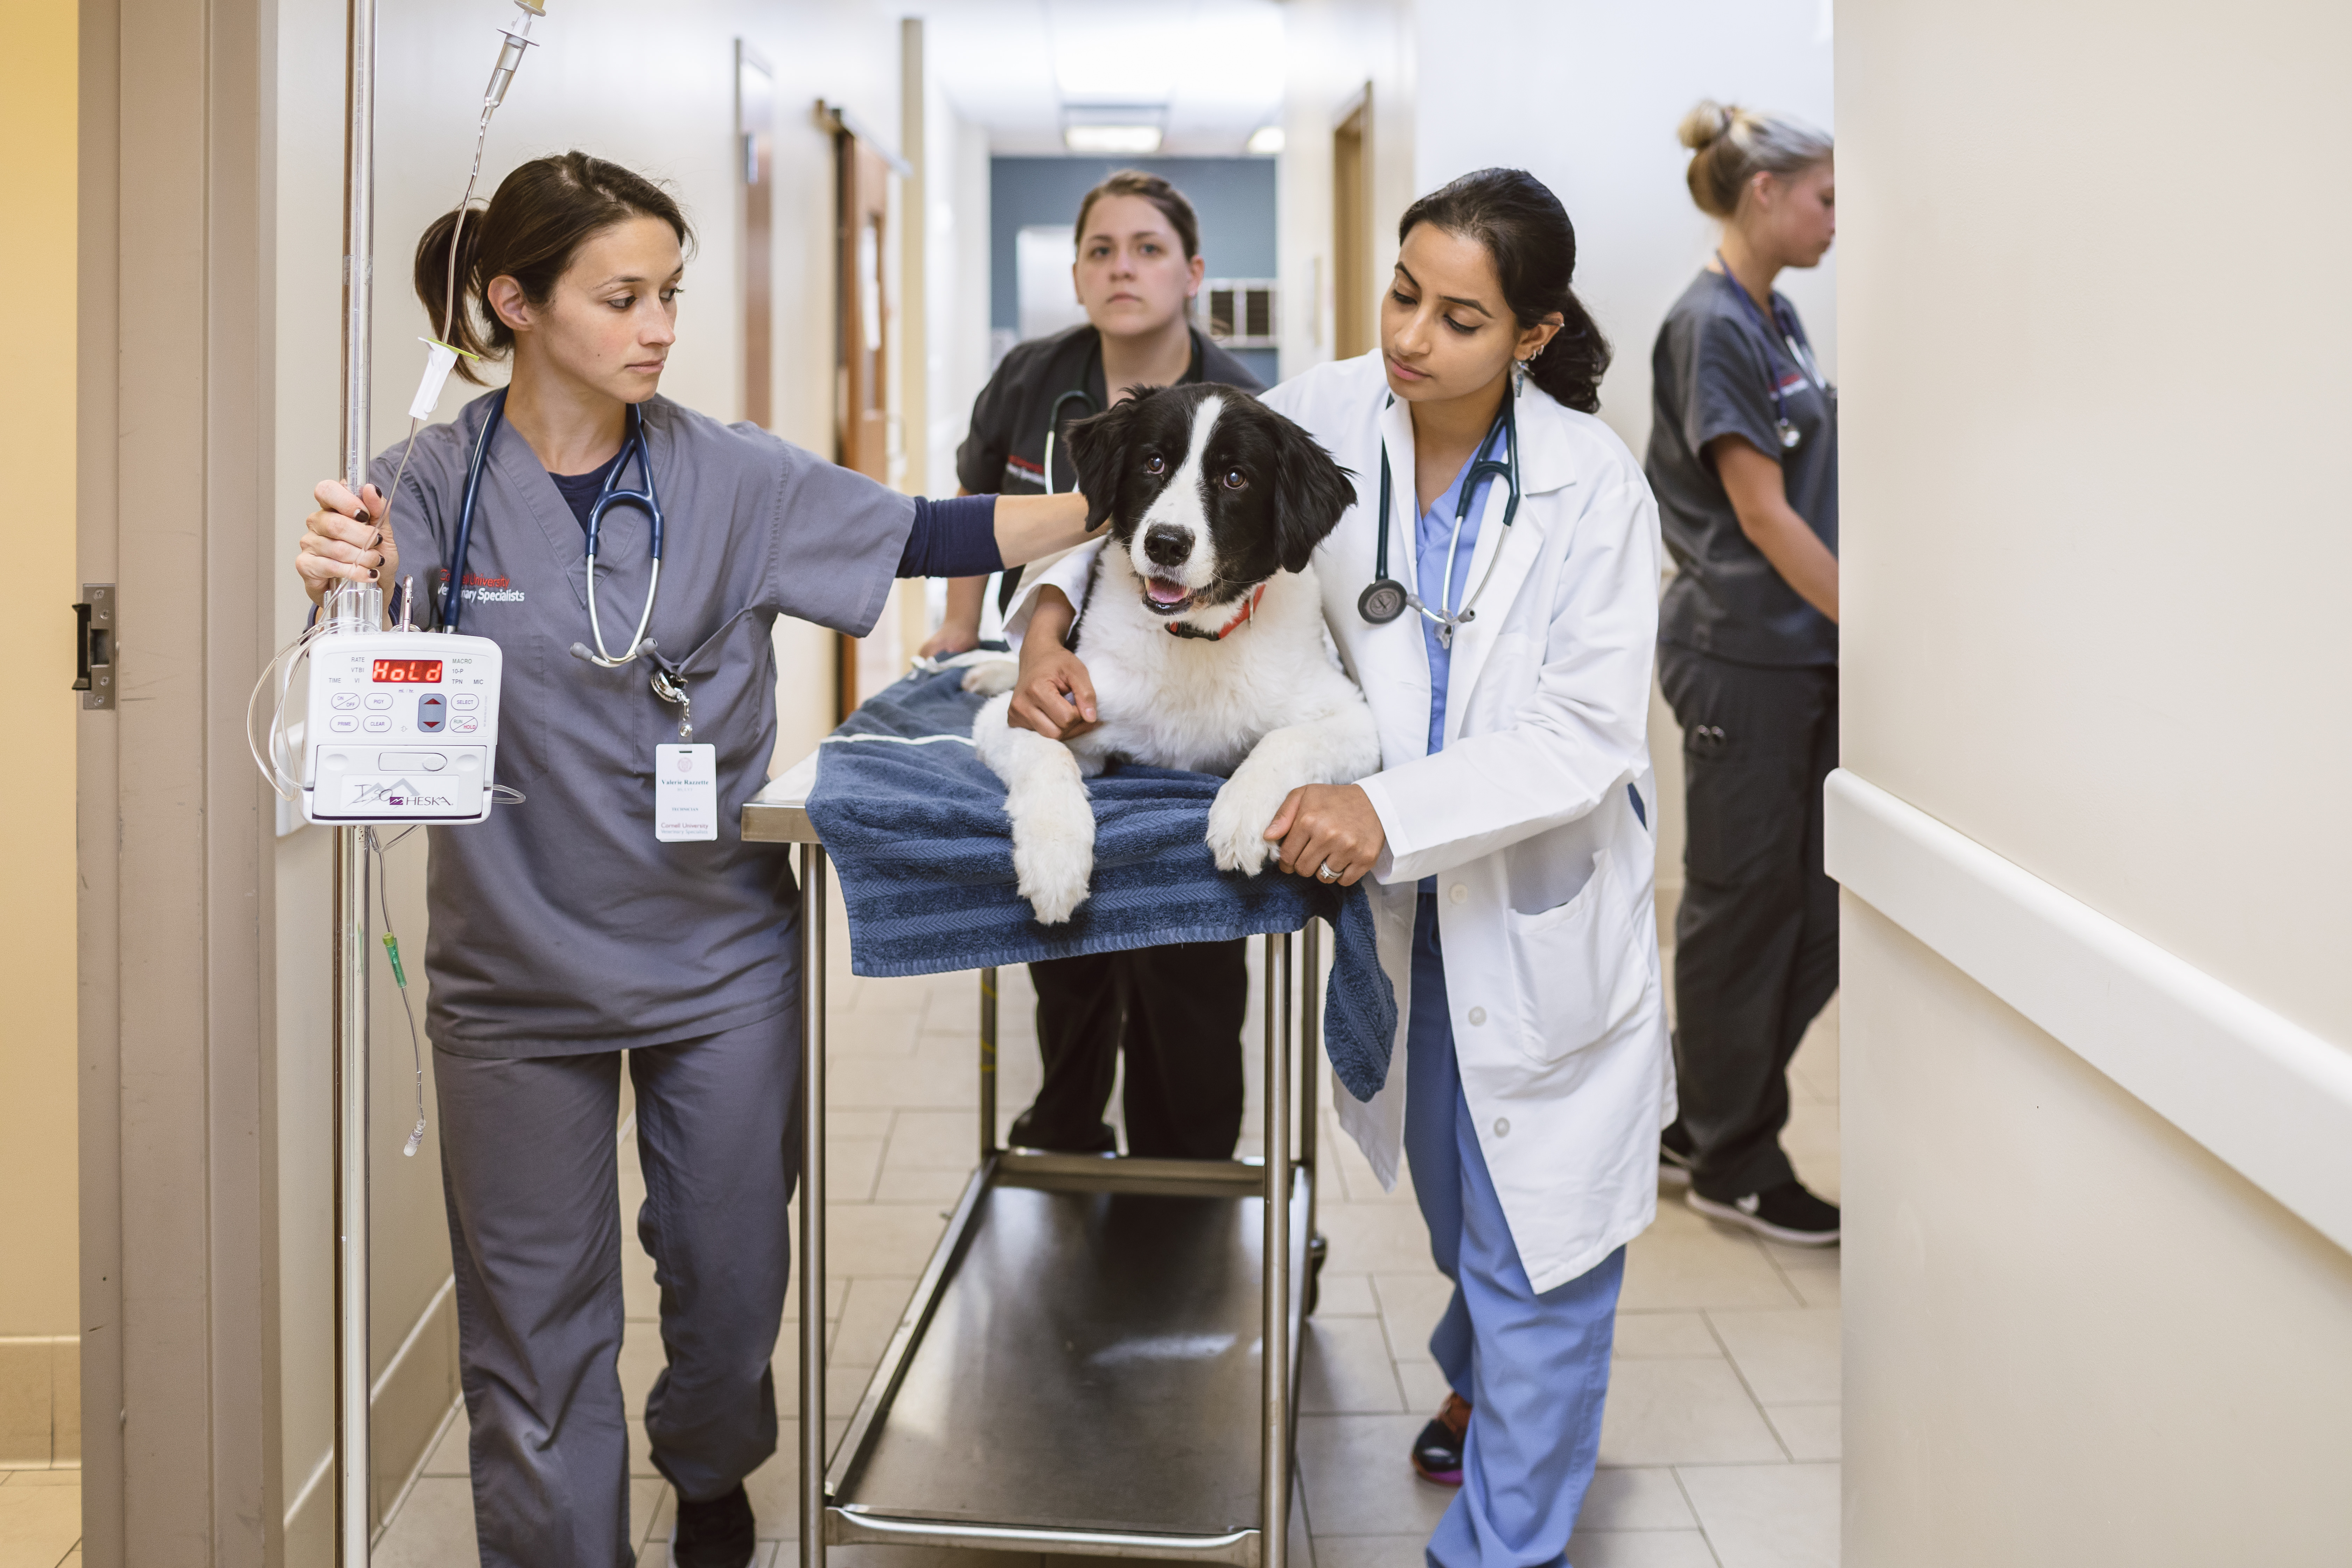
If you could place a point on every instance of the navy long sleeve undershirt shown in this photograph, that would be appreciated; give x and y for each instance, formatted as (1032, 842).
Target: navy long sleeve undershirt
(952, 538)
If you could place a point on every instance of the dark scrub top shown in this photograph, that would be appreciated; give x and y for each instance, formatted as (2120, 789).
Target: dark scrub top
(560, 925)
(1712, 374)
(1004, 452)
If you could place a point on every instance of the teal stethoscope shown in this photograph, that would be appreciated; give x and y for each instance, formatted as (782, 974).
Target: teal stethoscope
(453, 596)
(1386, 598)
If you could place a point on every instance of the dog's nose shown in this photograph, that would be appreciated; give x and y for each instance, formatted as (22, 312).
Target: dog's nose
(1166, 546)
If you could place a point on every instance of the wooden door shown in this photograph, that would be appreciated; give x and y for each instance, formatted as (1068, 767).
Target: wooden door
(755, 128)
(1352, 313)
(863, 319)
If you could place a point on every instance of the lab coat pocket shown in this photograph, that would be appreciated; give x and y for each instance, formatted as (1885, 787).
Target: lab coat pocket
(1580, 972)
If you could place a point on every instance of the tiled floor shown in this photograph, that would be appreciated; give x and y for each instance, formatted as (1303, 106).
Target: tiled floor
(40, 1518)
(1720, 1444)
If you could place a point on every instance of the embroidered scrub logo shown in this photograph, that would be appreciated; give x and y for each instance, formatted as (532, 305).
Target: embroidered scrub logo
(478, 588)
(398, 792)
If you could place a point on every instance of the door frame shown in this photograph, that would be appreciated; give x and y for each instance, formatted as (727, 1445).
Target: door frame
(175, 831)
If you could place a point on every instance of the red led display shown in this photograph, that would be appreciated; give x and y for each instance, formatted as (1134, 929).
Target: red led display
(407, 671)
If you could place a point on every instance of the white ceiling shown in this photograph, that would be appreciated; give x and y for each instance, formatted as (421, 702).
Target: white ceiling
(1013, 66)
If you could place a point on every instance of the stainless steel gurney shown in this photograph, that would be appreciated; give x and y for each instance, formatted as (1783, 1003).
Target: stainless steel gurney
(1080, 1367)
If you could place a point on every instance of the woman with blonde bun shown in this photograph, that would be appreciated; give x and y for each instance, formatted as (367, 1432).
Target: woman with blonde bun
(1743, 459)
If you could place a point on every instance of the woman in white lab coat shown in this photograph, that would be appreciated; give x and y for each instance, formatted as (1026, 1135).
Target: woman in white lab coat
(1508, 838)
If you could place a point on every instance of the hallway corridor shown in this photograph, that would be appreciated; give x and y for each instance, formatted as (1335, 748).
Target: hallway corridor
(1720, 1445)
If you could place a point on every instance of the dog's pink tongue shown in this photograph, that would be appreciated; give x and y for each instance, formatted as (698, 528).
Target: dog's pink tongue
(1163, 592)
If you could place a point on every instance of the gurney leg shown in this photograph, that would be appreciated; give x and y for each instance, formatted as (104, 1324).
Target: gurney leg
(987, 1065)
(1274, 1461)
(1310, 1058)
(812, 1488)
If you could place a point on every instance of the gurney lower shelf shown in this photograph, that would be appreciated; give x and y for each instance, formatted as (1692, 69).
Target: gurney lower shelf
(1080, 1370)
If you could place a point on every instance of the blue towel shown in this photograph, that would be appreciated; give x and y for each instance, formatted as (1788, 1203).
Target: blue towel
(915, 822)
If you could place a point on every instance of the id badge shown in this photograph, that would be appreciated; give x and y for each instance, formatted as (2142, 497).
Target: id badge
(686, 793)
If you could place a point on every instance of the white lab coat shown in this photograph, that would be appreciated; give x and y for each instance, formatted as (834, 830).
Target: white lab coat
(1545, 870)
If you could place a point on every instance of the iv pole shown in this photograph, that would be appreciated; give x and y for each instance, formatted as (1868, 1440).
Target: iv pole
(353, 1469)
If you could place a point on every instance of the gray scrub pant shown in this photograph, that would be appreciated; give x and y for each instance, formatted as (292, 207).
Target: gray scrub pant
(1756, 939)
(528, 1165)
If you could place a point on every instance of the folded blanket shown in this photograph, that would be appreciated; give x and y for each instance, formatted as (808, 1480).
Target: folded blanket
(915, 823)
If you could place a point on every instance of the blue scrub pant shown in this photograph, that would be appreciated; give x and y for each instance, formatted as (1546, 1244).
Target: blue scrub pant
(1534, 1367)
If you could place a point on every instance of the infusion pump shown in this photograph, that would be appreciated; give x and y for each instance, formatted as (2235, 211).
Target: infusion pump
(401, 726)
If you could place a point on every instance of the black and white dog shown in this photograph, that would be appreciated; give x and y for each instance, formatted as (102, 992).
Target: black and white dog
(1202, 630)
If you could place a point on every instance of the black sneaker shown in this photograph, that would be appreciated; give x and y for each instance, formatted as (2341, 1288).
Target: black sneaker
(1437, 1452)
(1788, 1213)
(1026, 1134)
(1678, 1155)
(715, 1534)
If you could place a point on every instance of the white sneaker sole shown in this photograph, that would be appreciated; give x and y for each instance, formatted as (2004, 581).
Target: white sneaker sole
(1732, 1213)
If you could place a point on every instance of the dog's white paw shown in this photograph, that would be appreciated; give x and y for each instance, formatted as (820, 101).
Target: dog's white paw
(1054, 862)
(1237, 823)
(992, 677)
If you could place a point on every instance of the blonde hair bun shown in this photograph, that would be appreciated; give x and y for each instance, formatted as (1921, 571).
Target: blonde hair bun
(1708, 122)
(1730, 146)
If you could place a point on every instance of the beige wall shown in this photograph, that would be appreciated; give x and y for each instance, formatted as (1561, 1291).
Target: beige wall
(2093, 329)
(2073, 1336)
(39, 1385)
(661, 100)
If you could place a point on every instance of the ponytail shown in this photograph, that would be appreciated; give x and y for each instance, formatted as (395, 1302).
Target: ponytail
(542, 214)
(446, 284)
(1526, 230)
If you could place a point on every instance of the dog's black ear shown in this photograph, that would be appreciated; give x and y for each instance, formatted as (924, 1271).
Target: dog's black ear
(1310, 492)
(1098, 449)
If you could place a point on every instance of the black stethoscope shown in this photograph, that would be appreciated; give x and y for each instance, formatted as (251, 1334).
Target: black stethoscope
(1789, 435)
(1385, 598)
(1054, 424)
(453, 595)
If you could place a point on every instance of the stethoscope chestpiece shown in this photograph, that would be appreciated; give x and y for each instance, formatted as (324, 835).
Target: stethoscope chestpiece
(1382, 601)
(1789, 435)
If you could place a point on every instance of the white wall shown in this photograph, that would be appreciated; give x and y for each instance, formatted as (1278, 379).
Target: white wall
(1585, 95)
(2092, 541)
(661, 99)
(1334, 49)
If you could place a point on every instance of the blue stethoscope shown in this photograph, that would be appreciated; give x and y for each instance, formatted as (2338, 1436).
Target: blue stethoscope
(1385, 598)
(453, 595)
(1789, 435)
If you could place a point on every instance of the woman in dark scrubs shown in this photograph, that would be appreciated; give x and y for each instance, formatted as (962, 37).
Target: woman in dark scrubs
(1743, 459)
(1176, 1010)
(567, 938)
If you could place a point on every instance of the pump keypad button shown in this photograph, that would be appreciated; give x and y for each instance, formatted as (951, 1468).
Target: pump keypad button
(431, 709)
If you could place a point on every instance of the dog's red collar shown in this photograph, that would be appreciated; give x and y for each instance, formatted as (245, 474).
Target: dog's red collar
(1249, 608)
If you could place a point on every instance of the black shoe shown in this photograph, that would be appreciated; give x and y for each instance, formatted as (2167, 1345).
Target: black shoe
(715, 1534)
(1437, 1452)
(1026, 1134)
(1678, 1155)
(1788, 1213)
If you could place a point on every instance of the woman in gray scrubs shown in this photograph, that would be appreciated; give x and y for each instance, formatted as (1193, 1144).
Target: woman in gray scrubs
(1743, 459)
(564, 933)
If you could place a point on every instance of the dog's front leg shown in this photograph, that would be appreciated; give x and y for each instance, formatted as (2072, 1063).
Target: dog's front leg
(1053, 819)
(1340, 747)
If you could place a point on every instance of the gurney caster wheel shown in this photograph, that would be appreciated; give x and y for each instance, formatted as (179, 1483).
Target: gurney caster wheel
(1318, 1251)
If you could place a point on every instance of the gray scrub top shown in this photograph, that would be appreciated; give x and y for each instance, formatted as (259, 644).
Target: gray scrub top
(1712, 374)
(560, 925)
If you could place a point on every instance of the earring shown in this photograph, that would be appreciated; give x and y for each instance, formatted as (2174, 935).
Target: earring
(1519, 377)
